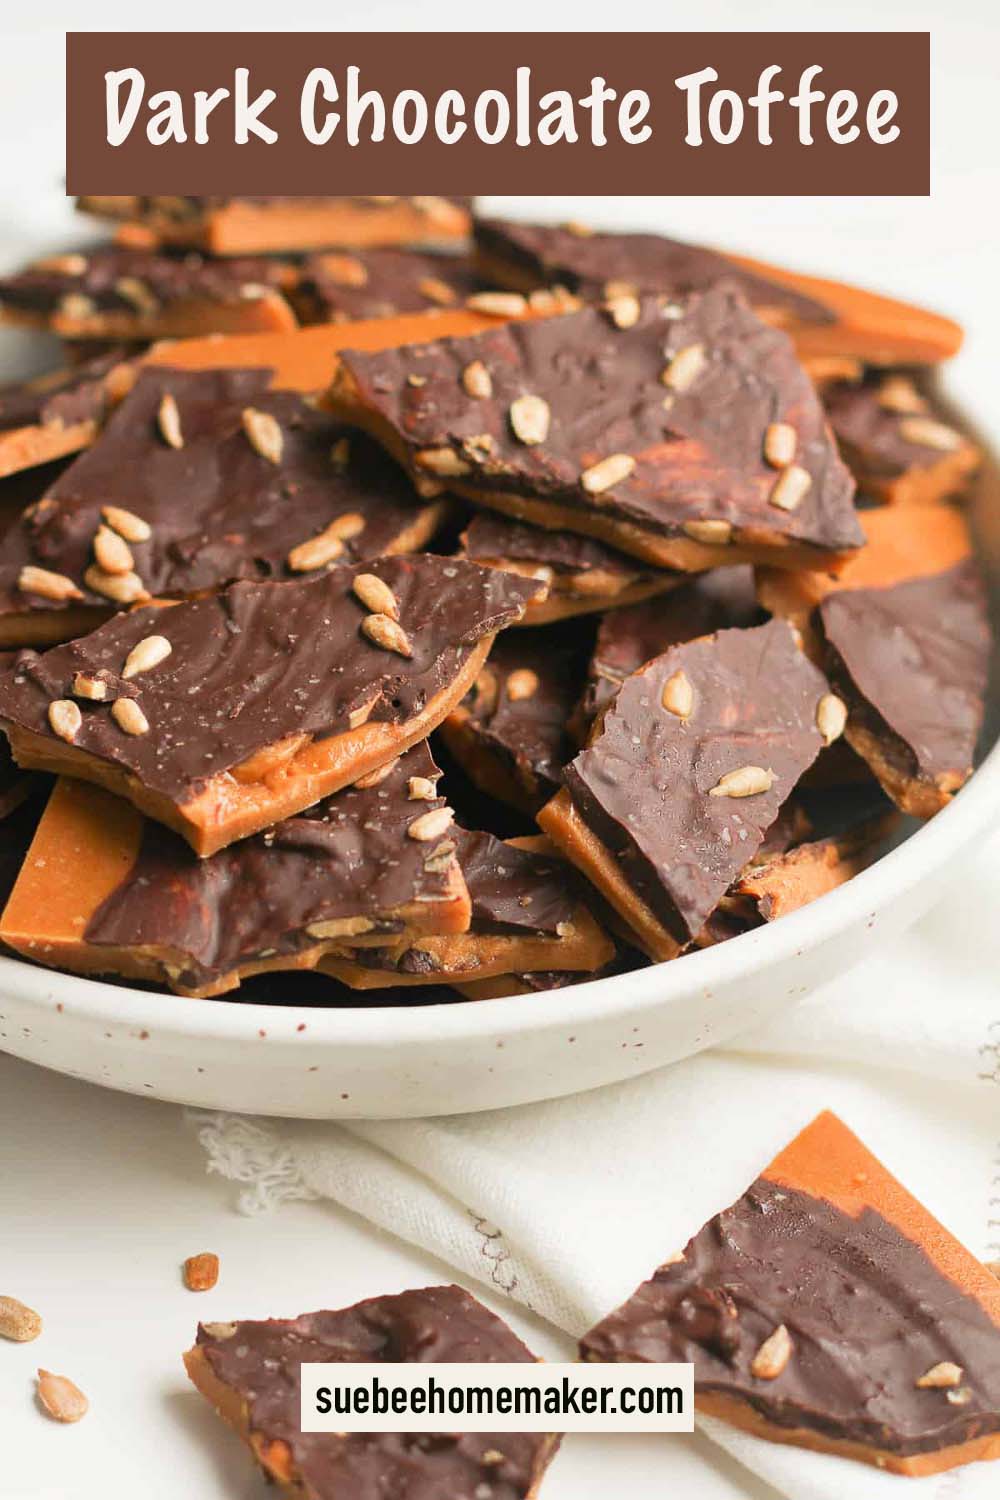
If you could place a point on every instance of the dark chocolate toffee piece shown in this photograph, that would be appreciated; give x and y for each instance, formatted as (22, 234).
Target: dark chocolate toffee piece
(526, 256)
(830, 321)
(105, 891)
(200, 479)
(112, 292)
(510, 733)
(895, 443)
(693, 763)
(220, 716)
(338, 287)
(911, 662)
(53, 415)
(581, 574)
(685, 433)
(527, 913)
(827, 1308)
(238, 226)
(628, 638)
(250, 1372)
(626, 960)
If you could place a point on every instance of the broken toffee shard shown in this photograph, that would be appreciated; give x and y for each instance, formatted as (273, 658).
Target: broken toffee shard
(828, 1309)
(250, 1372)
(653, 434)
(251, 705)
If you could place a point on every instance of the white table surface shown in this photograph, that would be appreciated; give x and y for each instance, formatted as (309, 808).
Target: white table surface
(103, 1195)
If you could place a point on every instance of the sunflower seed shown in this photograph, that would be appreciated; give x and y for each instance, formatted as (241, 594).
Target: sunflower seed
(831, 716)
(685, 367)
(420, 789)
(529, 418)
(94, 689)
(437, 291)
(112, 552)
(76, 307)
(264, 434)
(498, 304)
(122, 588)
(712, 533)
(65, 719)
(678, 695)
(477, 381)
(316, 552)
(146, 654)
(927, 433)
(129, 716)
(791, 487)
(773, 1355)
(607, 473)
(340, 927)
(430, 825)
(444, 462)
(384, 631)
(376, 595)
(780, 442)
(46, 585)
(168, 419)
(941, 1377)
(747, 781)
(898, 393)
(624, 309)
(133, 528)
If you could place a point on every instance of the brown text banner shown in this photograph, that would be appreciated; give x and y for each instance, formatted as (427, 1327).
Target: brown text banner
(249, 114)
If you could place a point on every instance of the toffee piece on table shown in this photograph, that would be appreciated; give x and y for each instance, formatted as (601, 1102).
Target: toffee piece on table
(222, 715)
(828, 1309)
(250, 1372)
(200, 479)
(687, 435)
(911, 661)
(106, 891)
(692, 765)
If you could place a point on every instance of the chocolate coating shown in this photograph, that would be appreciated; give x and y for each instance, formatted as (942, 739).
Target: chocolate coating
(261, 1361)
(218, 509)
(496, 536)
(528, 736)
(867, 1311)
(378, 283)
(643, 785)
(700, 460)
(872, 436)
(77, 394)
(628, 638)
(263, 661)
(586, 263)
(156, 281)
(912, 663)
(348, 856)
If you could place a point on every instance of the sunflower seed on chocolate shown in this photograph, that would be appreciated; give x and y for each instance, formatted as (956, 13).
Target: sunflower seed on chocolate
(669, 486)
(211, 511)
(334, 287)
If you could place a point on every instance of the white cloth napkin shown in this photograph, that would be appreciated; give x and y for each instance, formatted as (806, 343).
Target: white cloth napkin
(567, 1206)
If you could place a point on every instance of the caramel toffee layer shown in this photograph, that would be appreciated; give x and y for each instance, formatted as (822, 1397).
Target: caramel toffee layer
(343, 868)
(256, 664)
(686, 441)
(337, 286)
(628, 638)
(592, 264)
(867, 1312)
(912, 663)
(500, 538)
(219, 503)
(64, 399)
(257, 1364)
(648, 786)
(516, 716)
(887, 428)
(138, 283)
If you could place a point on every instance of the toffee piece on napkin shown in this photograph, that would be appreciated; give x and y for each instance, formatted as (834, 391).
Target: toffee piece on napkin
(829, 320)
(527, 914)
(105, 891)
(581, 575)
(827, 1308)
(60, 413)
(692, 765)
(911, 662)
(200, 479)
(510, 733)
(260, 226)
(250, 1372)
(113, 292)
(896, 443)
(686, 434)
(221, 716)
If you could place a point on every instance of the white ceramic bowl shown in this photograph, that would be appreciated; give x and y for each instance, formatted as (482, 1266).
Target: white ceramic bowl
(305, 1061)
